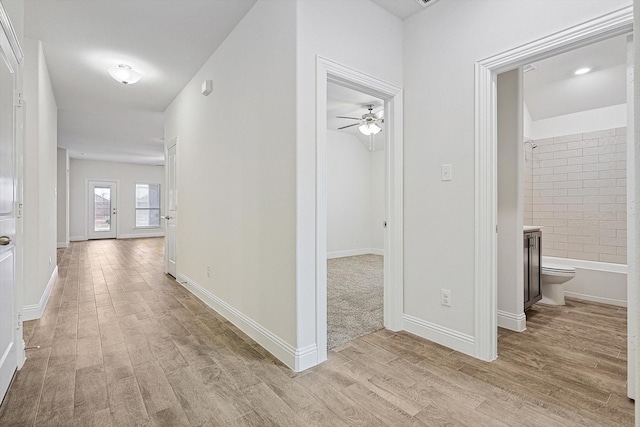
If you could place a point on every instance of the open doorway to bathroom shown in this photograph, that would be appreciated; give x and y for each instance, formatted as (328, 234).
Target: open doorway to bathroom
(562, 171)
(355, 214)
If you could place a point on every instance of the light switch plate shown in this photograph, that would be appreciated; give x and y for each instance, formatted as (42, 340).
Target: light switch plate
(447, 172)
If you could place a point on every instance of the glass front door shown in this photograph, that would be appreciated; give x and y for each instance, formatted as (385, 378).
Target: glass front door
(102, 210)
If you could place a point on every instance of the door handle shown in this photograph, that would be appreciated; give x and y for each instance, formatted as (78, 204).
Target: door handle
(167, 217)
(4, 240)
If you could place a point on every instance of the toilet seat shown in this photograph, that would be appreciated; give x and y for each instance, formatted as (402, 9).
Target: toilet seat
(558, 270)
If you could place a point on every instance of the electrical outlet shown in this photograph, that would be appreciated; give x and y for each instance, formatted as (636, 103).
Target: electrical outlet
(208, 271)
(445, 297)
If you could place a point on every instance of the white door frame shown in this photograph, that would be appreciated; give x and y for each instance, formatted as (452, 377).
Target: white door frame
(632, 184)
(88, 219)
(486, 71)
(330, 71)
(171, 143)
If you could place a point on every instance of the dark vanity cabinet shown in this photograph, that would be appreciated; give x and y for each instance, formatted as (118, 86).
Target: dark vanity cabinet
(532, 267)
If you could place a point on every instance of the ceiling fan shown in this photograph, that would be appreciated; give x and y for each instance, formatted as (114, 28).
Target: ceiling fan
(369, 123)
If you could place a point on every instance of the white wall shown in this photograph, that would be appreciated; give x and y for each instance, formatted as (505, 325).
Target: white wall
(439, 128)
(40, 176)
(63, 198)
(126, 174)
(236, 177)
(510, 201)
(331, 29)
(353, 196)
(611, 117)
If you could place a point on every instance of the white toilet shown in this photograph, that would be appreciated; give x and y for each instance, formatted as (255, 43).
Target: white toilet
(553, 278)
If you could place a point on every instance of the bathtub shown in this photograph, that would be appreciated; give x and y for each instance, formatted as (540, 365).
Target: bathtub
(595, 281)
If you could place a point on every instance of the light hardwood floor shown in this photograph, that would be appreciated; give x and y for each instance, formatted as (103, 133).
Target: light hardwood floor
(122, 344)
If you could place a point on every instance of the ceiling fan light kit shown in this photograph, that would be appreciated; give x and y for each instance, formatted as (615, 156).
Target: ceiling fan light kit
(124, 74)
(368, 123)
(370, 129)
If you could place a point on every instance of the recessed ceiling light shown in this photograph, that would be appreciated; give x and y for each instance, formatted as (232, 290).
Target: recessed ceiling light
(581, 71)
(124, 74)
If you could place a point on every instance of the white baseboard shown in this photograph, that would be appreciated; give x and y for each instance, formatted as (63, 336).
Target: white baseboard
(610, 301)
(354, 252)
(512, 321)
(141, 235)
(63, 245)
(298, 359)
(448, 337)
(34, 311)
(77, 238)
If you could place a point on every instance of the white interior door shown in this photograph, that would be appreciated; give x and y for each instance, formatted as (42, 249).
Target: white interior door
(103, 210)
(8, 182)
(171, 217)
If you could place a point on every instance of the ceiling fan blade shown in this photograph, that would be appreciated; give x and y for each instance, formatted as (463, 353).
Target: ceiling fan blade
(380, 114)
(348, 126)
(352, 118)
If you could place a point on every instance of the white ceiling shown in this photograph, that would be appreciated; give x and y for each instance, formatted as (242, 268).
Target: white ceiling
(552, 89)
(401, 8)
(166, 41)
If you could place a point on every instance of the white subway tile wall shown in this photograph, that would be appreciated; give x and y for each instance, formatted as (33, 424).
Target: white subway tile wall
(575, 187)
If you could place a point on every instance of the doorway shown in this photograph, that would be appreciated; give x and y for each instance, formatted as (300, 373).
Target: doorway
(171, 218)
(355, 214)
(103, 210)
(607, 26)
(332, 72)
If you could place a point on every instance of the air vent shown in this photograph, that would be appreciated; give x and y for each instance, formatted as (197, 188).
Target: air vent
(425, 3)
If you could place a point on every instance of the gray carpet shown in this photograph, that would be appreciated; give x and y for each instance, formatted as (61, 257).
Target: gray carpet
(354, 291)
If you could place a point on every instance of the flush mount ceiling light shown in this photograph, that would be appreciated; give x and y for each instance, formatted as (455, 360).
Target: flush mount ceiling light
(582, 71)
(124, 74)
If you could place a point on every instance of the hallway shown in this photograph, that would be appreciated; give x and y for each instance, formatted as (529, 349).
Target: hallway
(123, 344)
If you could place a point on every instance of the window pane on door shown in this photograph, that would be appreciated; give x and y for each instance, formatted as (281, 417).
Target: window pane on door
(102, 209)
